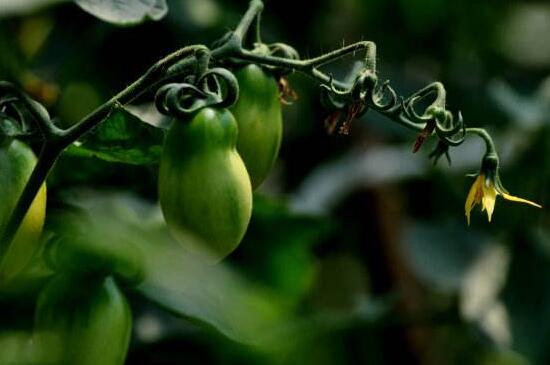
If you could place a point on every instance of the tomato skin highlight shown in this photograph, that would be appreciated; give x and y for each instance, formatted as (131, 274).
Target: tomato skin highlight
(204, 187)
(16, 164)
(259, 115)
(83, 324)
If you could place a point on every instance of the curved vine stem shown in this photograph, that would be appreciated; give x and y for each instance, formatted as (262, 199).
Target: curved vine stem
(56, 140)
(41, 118)
(310, 66)
(253, 12)
(196, 58)
(490, 148)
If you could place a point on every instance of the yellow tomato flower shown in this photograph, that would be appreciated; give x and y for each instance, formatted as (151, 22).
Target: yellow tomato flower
(484, 191)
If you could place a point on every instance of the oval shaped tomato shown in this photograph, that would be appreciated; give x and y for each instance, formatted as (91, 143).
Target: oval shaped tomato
(204, 187)
(16, 164)
(83, 321)
(259, 116)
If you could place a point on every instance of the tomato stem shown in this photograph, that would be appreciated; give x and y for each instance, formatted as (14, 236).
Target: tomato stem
(490, 148)
(56, 140)
(253, 12)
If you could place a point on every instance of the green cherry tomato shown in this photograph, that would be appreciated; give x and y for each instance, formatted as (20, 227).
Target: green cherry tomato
(83, 321)
(204, 187)
(16, 164)
(258, 113)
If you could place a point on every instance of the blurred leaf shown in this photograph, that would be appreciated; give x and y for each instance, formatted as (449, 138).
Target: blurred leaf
(10, 7)
(441, 254)
(22, 348)
(11, 60)
(526, 111)
(125, 12)
(479, 297)
(211, 295)
(15, 348)
(323, 337)
(502, 357)
(87, 244)
(527, 297)
(278, 244)
(423, 15)
(342, 283)
(215, 295)
(121, 138)
(520, 37)
(76, 101)
(28, 282)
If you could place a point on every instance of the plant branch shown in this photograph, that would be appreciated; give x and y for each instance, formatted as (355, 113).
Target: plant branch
(53, 147)
(489, 144)
(254, 10)
(138, 87)
(197, 58)
(40, 116)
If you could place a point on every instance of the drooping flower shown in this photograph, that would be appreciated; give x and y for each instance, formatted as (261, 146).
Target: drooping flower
(486, 187)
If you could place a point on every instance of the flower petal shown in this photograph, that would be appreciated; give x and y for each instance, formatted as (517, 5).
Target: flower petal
(473, 196)
(519, 200)
(489, 198)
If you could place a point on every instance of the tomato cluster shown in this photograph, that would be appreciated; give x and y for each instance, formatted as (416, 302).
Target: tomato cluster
(212, 162)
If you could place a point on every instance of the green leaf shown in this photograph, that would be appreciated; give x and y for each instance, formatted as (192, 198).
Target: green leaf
(125, 12)
(214, 296)
(277, 248)
(20, 348)
(121, 138)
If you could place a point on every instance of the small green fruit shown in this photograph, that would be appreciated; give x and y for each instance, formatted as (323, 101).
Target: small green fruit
(259, 115)
(204, 187)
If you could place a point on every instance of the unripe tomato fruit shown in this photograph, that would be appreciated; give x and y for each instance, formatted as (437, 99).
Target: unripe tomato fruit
(16, 164)
(204, 188)
(83, 322)
(258, 113)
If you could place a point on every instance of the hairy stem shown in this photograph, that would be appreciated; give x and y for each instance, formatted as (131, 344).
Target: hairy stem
(156, 72)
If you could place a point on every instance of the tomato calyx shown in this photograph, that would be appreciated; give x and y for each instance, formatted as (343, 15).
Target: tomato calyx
(181, 100)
